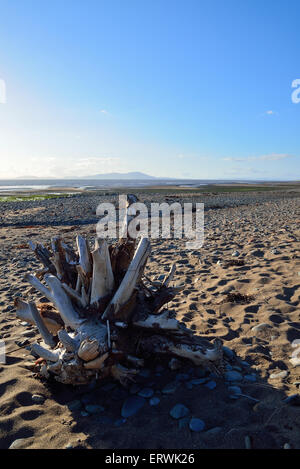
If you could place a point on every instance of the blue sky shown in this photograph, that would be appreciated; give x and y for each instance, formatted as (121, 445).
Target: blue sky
(181, 88)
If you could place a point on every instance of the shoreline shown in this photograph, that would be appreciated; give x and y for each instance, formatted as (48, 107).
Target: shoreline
(180, 187)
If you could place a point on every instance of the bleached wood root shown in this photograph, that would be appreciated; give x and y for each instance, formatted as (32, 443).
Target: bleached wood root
(57, 261)
(102, 278)
(95, 341)
(45, 353)
(170, 276)
(123, 374)
(80, 299)
(39, 286)
(63, 303)
(88, 350)
(161, 321)
(58, 297)
(198, 354)
(97, 363)
(42, 255)
(70, 344)
(130, 280)
(24, 313)
(48, 338)
(84, 254)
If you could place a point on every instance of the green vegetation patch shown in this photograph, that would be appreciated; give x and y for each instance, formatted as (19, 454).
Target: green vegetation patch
(21, 198)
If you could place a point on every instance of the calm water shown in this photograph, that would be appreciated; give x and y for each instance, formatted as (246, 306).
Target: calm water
(90, 184)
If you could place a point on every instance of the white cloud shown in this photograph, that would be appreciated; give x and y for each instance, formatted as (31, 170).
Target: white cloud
(274, 157)
(271, 113)
(234, 159)
(270, 157)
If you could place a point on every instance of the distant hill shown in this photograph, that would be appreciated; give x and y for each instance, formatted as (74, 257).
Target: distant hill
(131, 175)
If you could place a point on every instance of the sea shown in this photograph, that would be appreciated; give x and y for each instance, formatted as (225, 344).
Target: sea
(24, 185)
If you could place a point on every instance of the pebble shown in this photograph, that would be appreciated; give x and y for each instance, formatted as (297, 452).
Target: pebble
(261, 327)
(235, 254)
(245, 364)
(19, 443)
(38, 399)
(211, 385)
(295, 361)
(69, 446)
(74, 405)
(132, 405)
(279, 375)
(213, 431)
(170, 388)
(237, 368)
(228, 352)
(233, 376)
(295, 343)
(197, 381)
(179, 411)
(146, 392)
(250, 378)
(258, 253)
(94, 408)
(196, 425)
(154, 401)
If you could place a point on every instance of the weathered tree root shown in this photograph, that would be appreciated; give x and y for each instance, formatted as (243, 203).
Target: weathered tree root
(107, 316)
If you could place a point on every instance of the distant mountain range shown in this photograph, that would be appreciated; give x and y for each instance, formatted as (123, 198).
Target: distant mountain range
(130, 175)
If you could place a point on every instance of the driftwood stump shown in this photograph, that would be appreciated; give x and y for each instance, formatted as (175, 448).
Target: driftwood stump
(104, 317)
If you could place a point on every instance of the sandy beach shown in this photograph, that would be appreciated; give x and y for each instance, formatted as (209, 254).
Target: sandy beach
(242, 286)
